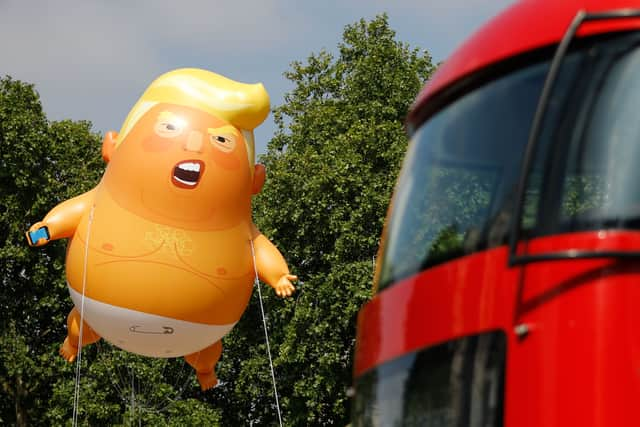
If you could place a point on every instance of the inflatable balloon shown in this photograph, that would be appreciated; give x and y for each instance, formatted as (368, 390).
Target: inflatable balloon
(160, 251)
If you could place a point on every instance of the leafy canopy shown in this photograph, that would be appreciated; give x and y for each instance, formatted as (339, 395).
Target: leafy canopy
(331, 167)
(41, 164)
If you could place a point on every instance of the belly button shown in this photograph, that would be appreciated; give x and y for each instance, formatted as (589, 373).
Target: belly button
(221, 271)
(107, 246)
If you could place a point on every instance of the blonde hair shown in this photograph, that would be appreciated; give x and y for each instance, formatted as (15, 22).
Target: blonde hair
(243, 105)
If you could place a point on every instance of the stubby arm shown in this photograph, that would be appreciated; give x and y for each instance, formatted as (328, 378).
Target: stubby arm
(271, 266)
(61, 221)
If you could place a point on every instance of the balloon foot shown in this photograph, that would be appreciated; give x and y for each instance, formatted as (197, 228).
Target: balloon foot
(207, 380)
(68, 351)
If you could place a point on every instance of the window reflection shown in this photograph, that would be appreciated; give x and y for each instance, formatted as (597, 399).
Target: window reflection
(456, 192)
(456, 188)
(585, 174)
(458, 383)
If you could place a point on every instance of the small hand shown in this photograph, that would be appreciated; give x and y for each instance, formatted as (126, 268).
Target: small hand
(284, 287)
(41, 229)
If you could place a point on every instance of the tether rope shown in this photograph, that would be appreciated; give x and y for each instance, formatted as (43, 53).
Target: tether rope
(121, 391)
(76, 395)
(266, 333)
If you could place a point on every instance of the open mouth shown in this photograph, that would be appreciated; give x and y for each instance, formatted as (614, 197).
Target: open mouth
(187, 174)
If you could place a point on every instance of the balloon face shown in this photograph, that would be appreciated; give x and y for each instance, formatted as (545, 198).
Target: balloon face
(181, 166)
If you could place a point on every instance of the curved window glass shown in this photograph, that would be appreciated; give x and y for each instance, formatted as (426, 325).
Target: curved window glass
(458, 383)
(586, 174)
(456, 191)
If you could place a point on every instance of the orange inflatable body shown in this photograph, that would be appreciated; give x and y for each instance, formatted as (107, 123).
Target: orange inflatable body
(162, 248)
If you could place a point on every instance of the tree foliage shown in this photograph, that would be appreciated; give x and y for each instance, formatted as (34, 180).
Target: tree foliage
(41, 164)
(331, 168)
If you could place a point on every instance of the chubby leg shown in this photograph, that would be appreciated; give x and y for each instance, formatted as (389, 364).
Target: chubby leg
(204, 363)
(69, 348)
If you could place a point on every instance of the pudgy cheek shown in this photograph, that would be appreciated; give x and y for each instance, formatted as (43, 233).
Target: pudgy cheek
(228, 161)
(153, 143)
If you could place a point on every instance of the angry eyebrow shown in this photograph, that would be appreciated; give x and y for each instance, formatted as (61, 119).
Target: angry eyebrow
(224, 129)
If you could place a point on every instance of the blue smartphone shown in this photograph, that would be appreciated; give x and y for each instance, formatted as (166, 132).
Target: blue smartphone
(38, 234)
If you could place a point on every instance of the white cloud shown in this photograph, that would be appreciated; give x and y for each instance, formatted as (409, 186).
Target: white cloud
(206, 24)
(92, 59)
(75, 40)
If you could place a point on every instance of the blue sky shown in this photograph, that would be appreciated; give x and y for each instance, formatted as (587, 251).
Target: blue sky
(91, 60)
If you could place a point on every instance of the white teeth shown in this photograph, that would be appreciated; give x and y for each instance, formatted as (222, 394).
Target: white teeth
(190, 183)
(190, 166)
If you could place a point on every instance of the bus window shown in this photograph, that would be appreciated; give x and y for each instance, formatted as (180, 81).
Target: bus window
(587, 169)
(456, 192)
(456, 188)
(458, 383)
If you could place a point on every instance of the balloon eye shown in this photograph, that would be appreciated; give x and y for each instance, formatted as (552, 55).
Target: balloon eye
(224, 143)
(168, 129)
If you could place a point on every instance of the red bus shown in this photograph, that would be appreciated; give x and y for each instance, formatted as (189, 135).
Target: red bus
(509, 269)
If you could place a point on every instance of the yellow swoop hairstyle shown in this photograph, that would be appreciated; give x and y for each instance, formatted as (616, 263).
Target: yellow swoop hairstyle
(243, 105)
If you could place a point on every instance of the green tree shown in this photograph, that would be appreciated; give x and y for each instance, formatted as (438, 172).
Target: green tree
(41, 164)
(331, 168)
(120, 388)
